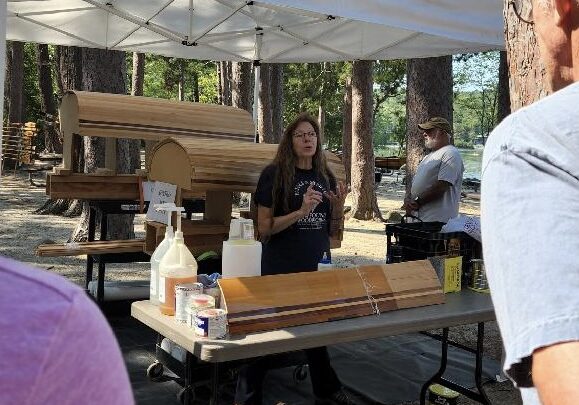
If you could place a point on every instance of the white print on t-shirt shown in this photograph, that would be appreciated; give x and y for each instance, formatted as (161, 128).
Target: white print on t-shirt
(314, 220)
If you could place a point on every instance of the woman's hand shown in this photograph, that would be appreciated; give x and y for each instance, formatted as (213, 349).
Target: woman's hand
(310, 201)
(338, 198)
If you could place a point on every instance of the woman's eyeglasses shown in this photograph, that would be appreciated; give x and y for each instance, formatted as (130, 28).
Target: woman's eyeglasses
(523, 10)
(303, 135)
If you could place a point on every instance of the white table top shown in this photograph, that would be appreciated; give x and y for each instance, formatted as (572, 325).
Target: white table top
(461, 308)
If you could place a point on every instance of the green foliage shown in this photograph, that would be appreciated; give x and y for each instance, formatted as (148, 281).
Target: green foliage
(307, 85)
(390, 127)
(162, 78)
(475, 96)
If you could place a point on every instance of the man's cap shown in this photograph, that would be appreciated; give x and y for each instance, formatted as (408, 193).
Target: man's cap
(436, 122)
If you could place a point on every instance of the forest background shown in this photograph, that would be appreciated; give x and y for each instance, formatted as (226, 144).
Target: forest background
(318, 88)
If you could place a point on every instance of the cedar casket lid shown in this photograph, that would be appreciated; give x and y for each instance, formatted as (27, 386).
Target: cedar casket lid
(274, 302)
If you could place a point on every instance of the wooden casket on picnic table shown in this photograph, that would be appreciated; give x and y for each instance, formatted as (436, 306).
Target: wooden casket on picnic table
(274, 302)
(217, 168)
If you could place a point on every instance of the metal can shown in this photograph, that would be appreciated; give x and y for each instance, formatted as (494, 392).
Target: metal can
(478, 277)
(198, 303)
(211, 323)
(183, 294)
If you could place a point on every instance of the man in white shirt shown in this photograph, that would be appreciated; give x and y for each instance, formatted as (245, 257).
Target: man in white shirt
(436, 186)
(530, 217)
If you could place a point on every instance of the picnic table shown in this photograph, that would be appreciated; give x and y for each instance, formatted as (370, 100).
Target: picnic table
(462, 308)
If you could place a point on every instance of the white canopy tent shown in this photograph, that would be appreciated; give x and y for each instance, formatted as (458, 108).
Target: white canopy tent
(275, 31)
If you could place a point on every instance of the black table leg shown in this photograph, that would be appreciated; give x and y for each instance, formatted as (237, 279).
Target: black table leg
(89, 258)
(436, 377)
(479, 395)
(101, 282)
(214, 384)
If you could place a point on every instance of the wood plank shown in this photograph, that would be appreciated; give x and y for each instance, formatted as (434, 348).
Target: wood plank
(94, 248)
(273, 302)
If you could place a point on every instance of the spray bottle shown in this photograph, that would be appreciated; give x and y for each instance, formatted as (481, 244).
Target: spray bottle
(160, 252)
(178, 266)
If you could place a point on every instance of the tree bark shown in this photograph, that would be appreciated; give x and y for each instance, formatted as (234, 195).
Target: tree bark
(276, 78)
(47, 101)
(364, 202)
(15, 102)
(527, 74)
(138, 78)
(241, 85)
(504, 101)
(347, 130)
(105, 71)
(195, 83)
(69, 67)
(264, 113)
(224, 71)
(181, 80)
(428, 94)
(52, 142)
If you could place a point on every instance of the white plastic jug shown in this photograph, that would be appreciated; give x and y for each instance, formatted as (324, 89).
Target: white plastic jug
(160, 252)
(178, 266)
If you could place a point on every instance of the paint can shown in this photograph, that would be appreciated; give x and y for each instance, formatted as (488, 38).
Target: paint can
(183, 294)
(198, 303)
(439, 395)
(478, 278)
(211, 323)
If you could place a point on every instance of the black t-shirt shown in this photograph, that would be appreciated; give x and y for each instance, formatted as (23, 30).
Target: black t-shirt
(301, 246)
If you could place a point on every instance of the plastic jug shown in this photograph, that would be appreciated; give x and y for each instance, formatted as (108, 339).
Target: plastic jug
(160, 252)
(241, 256)
(177, 266)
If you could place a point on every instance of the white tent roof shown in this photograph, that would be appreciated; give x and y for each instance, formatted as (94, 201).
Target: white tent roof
(269, 30)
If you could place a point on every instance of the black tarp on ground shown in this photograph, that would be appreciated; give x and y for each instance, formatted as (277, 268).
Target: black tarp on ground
(388, 370)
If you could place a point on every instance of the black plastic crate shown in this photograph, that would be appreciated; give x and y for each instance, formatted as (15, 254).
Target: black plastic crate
(420, 240)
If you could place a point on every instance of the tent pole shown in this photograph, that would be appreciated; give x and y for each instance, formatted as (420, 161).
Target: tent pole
(2, 73)
(256, 87)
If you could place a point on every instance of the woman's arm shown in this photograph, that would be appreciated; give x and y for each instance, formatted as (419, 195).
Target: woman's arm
(268, 225)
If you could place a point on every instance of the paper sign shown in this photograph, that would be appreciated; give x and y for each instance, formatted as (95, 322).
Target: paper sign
(148, 187)
(162, 193)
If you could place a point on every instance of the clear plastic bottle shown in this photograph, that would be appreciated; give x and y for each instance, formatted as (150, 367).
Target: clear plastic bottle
(178, 266)
(325, 263)
(158, 255)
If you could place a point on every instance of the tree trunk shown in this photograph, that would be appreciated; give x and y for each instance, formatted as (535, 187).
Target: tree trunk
(105, 71)
(428, 94)
(527, 74)
(276, 78)
(52, 142)
(15, 102)
(195, 83)
(347, 130)
(264, 113)
(138, 78)
(68, 77)
(47, 102)
(364, 203)
(181, 80)
(224, 71)
(241, 85)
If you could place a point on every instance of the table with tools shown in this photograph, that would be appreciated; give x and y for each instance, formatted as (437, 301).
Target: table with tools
(462, 308)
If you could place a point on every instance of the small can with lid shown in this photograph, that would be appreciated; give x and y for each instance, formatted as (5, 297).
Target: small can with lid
(183, 294)
(211, 323)
(198, 303)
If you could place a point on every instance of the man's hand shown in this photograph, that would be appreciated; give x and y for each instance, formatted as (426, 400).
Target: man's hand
(410, 205)
(310, 201)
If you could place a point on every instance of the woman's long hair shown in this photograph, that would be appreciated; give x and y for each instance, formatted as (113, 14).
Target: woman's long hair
(285, 161)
